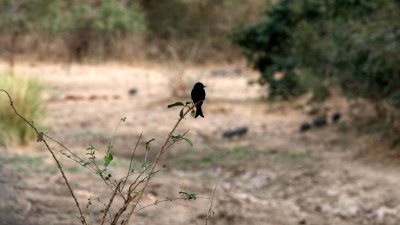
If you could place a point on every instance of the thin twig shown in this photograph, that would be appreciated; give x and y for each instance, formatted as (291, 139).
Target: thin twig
(183, 135)
(69, 157)
(141, 192)
(115, 132)
(160, 201)
(122, 209)
(212, 200)
(68, 150)
(105, 206)
(40, 134)
(166, 200)
(110, 202)
(130, 198)
(191, 211)
(131, 161)
(130, 168)
(99, 172)
(132, 188)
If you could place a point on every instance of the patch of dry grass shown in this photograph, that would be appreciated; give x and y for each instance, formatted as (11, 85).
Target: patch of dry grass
(27, 99)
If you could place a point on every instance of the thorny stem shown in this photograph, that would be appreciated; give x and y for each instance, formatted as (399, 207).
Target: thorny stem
(82, 218)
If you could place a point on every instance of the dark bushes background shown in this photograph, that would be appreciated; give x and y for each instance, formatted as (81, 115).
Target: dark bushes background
(312, 45)
(355, 44)
(122, 29)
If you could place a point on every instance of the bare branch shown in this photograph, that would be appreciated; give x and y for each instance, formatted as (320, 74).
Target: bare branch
(40, 134)
(130, 163)
(154, 164)
(191, 212)
(166, 200)
(110, 202)
(212, 200)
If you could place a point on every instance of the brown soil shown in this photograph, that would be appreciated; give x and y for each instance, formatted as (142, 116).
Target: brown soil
(273, 175)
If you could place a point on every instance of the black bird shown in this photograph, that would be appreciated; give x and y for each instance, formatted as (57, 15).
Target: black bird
(240, 131)
(336, 117)
(304, 127)
(319, 122)
(133, 91)
(198, 96)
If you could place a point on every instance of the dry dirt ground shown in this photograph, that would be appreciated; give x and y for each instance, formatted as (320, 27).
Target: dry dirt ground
(273, 175)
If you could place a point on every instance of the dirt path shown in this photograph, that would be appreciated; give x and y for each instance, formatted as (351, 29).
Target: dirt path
(273, 175)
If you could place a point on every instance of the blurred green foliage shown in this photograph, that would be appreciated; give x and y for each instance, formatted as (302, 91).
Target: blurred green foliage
(353, 43)
(27, 15)
(26, 94)
(173, 19)
(18, 18)
(87, 25)
(81, 24)
(184, 24)
(105, 28)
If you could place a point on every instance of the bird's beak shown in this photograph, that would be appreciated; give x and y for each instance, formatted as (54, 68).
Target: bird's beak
(205, 86)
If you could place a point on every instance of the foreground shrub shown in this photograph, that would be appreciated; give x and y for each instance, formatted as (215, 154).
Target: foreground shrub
(27, 97)
(132, 186)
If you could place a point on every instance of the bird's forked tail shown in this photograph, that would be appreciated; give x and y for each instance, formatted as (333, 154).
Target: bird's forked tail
(199, 112)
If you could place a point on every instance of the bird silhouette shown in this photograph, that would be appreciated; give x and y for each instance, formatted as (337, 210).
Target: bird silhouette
(198, 95)
(319, 121)
(336, 117)
(305, 127)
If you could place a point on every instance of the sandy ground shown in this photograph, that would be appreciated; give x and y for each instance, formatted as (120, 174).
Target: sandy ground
(273, 175)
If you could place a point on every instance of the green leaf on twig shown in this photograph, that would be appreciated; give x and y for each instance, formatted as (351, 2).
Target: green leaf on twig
(145, 165)
(175, 104)
(188, 196)
(188, 141)
(181, 115)
(108, 158)
(148, 144)
(179, 137)
(91, 147)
